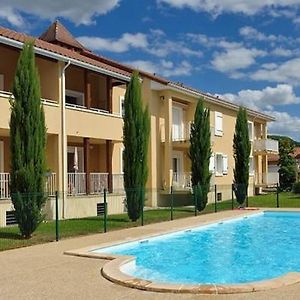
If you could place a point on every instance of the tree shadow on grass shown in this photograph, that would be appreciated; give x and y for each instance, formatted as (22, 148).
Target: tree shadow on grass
(10, 235)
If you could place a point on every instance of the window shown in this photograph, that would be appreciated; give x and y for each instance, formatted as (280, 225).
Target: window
(177, 124)
(218, 124)
(251, 166)
(121, 160)
(122, 106)
(250, 130)
(1, 82)
(75, 159)
(75, 98)
(225, 164)
(212, 164)
(219, 164)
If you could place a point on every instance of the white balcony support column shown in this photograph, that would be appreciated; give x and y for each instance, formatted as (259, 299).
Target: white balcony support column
(168, 142)
(64, 158)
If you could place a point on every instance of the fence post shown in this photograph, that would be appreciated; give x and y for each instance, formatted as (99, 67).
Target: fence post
(195, 202)
(277, 195)
(105, 212)
(142, 207)
(232, 196)
(215, 198)
(56, 217)
(172, 203)
(247, 200)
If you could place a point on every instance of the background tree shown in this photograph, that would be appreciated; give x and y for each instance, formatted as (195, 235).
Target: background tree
(136, 139)
(241, 153)
(287, 164)
(200, 153)
(27, 144)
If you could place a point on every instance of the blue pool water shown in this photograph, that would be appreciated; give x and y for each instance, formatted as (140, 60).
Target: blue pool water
(261, 246)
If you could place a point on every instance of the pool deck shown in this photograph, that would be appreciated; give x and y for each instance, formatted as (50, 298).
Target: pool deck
(44, 272)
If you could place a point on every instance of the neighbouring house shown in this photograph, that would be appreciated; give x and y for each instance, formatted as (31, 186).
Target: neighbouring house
(83, 95)
(273, 160)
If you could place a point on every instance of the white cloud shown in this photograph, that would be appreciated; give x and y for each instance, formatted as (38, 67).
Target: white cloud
(235, 58)
(163, 67)
(287, 72)
(282, 94)
(12, 17)
(282, 52)
(264, 100)
(252, 33)
(77, 11)
(285, 124)
(248, 7)
(123, 44)
(154, 43)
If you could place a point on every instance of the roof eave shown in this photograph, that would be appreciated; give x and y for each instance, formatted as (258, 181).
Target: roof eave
(220, 101)
(63, 58)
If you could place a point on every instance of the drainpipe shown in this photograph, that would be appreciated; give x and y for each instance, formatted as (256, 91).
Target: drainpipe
(64, 139)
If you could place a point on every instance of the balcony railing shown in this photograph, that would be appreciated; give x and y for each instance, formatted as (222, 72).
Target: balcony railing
(4, 185)
(98, 182)
(182, 180)
(182, 134)
(266, 145)
(118, 183)
(50, 185)
(270, 178)
(76, 184)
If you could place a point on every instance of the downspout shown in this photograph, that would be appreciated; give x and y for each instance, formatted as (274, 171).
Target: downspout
(64, 139)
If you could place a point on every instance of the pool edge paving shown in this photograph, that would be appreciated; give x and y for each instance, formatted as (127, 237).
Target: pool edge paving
(111, 270)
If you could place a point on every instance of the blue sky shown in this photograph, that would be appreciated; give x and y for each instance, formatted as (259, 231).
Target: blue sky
(246, 51)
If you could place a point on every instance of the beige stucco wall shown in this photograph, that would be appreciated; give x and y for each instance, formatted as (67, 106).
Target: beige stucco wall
(160, 153)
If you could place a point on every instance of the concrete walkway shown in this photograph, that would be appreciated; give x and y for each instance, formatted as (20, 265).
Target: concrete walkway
(44, 272)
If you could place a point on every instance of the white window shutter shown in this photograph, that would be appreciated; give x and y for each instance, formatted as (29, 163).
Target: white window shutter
(212, 163)
(225, 164)
(122, 106)
(251, 165)
(251, 130)
(218, 124)
(1, 82)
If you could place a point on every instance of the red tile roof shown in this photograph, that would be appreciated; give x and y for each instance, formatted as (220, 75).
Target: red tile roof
(275, 157)
(58, 34)
(84, 55)
(57, 38)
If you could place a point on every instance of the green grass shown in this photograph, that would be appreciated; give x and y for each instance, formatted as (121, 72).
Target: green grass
(10, 238)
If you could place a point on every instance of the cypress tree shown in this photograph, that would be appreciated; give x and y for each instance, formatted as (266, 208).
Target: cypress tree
(136, 139)
(241, 153)
(27, 144)
(200, 153)
(287, 164)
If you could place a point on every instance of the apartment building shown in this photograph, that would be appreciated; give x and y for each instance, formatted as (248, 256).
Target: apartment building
(83, 95)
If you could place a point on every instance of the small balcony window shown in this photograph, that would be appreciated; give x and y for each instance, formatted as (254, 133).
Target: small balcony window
(74, 98)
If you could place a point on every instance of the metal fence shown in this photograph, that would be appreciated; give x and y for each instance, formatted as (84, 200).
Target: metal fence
(69, 215)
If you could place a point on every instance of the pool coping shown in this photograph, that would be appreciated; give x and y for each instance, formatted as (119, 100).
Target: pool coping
(112, 269)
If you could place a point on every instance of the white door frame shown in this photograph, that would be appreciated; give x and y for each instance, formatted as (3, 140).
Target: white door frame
(1, 156)
(179, 156)
(80, 151)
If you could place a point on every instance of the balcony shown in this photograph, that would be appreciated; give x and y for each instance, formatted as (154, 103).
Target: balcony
(265, 146)
(50, 185)
(182, 181)
(181, 134)
(98, 182)
(266, 179)
(94, 124)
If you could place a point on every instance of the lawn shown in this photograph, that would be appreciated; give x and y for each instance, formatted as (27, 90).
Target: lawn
(10, 238)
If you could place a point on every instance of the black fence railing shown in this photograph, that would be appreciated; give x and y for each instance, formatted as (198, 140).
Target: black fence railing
(72, 216)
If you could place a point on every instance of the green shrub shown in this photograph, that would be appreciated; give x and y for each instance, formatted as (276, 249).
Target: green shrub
(296, 188)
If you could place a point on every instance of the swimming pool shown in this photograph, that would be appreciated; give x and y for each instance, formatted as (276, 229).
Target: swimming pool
(247, 249)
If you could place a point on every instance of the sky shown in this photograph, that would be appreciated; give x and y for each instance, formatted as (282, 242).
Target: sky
(247, 51)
